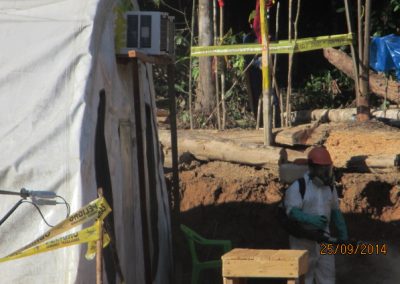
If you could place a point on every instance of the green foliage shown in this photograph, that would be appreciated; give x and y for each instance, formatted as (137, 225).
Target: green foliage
(120, 8)
(328, 89)
(236, 90)
(395, 5)
(386, 20)
(236, 94)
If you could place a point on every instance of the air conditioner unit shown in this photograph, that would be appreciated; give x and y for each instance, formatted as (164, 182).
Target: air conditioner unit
(150, 32)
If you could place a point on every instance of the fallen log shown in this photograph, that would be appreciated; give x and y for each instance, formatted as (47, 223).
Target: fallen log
(374, 163)
(377, 82)
(162, 116)
(206, 148)
(340, 115)
(289, 172)
(291, 164)
(297, 135)
(296, 164)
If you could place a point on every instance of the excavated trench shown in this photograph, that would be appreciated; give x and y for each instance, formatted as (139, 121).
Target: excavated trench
(222, 200)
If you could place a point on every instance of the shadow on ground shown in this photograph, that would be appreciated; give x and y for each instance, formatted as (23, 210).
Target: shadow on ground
(253, 225)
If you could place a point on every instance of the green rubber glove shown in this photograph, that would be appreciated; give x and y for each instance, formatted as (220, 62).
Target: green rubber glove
(318, 221)
(338, 219)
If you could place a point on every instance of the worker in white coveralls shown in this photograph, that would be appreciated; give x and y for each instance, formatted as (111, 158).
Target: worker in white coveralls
(314, 207)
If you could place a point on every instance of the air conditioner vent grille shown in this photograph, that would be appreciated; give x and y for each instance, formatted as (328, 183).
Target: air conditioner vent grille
(151, 32)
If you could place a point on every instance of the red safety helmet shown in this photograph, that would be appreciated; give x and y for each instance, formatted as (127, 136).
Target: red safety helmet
(320, 156)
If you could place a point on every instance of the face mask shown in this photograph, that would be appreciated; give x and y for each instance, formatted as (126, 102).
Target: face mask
(321, 175)
(318, 182)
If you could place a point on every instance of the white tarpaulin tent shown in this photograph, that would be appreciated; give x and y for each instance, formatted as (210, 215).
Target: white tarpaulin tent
(56, 57)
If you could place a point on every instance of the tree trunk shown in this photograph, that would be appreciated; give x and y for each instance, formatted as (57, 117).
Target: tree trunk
(377, 82)
(363, 111)
(205, 102)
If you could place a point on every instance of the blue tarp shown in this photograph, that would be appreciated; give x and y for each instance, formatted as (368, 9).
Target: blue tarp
(385, 54)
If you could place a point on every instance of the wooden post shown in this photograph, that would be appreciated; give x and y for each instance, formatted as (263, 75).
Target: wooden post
(259, 112)
(301, 280)
(359, 43)
(290, 62)
(174, 136)
(141, 158)
(363, 110)
(353, 53)
(235, 281)
(190, 67)
(99, 248)
(291, 55)
(360, 49)
(266, 85)
(274, 82)
(142, 168)
(216, 64)
(221, 36)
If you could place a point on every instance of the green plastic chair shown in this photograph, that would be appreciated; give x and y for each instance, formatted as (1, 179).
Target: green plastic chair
(195, 239)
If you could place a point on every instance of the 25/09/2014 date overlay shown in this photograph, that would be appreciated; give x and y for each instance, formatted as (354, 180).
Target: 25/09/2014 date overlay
(353, 249)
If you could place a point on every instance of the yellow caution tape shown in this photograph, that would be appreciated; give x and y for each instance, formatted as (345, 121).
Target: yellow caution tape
(280, 47)
(92, 246)
(86, 235)
(97, 209)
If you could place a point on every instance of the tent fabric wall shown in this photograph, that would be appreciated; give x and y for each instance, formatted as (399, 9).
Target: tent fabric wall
(56, 57)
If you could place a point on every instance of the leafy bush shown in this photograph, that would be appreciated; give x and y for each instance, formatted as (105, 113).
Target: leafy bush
(386, 20)
(328, 89)
(235, 86)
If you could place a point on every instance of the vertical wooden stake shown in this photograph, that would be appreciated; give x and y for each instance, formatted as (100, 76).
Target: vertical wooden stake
(216, 64)
(99, 248)
(142, 167)
(353, 53)
(274, 82)
(259, 112)
(221, 36)
(190, 67)
(266, 84)
(289, 86)
(175, 220)
(360, 47)
(290, 72)
(174, 136)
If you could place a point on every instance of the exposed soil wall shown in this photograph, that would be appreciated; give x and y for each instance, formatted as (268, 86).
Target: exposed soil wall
(227, 201)
(222, 200)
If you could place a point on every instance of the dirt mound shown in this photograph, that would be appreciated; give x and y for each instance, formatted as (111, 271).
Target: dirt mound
(375, 195)
(220, 182)
(356, 139)
(217, 184)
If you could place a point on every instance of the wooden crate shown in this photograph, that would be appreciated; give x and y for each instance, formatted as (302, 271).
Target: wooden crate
(251, 263)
